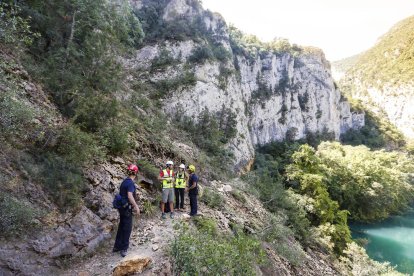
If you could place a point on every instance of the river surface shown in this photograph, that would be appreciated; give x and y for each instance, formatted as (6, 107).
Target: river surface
(391, 240)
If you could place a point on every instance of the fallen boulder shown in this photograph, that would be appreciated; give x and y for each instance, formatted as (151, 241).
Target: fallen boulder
(131, 265)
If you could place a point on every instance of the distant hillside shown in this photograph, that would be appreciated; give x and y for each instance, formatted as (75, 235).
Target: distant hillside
(382, 77)
(340, 67)
(391, 60)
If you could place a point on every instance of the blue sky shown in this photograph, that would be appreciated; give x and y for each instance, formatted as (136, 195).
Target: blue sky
(341, 28)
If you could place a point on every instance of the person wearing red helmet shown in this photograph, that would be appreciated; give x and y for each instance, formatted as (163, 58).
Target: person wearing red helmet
(127, 191)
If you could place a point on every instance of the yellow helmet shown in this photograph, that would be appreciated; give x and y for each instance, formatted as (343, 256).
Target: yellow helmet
(191, 168)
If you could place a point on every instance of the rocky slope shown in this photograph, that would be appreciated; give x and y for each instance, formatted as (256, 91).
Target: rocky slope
(77, 242)
(151, 238)
(273, 95)
(382, 77)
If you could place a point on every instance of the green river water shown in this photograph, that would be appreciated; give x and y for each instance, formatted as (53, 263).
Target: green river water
(391, 240)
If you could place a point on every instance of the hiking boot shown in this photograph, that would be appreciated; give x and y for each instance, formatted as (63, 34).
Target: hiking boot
(163, 216)
(123, 253)
(172, 215)
(115, 250)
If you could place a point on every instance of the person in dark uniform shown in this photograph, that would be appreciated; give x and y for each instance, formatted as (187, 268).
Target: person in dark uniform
(127, 191)
(192, 190)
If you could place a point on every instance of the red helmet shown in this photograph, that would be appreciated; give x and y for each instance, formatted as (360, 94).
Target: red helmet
(133, 168)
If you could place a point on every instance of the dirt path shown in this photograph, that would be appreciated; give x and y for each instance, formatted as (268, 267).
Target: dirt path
(150, 238)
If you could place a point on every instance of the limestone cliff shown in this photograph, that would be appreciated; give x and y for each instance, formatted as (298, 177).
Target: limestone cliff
(274, 95)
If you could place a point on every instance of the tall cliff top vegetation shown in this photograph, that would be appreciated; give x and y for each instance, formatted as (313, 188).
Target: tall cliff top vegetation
(391, 60)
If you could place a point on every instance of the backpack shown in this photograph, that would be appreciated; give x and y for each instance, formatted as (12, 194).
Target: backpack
(119, 202)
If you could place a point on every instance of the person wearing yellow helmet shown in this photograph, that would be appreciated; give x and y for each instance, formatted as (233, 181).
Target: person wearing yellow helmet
(192, 189)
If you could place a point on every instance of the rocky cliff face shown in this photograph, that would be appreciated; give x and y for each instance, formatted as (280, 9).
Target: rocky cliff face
(395, 101)
(273, 95)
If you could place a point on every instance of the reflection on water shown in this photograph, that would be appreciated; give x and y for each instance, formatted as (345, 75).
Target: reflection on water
(391, 240)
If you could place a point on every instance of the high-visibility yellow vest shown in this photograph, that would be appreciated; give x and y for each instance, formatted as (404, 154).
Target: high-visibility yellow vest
(167, 182)
(180, 180)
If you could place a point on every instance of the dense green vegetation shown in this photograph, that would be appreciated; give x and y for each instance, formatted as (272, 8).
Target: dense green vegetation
(327, 185)
(378, 132)
(391, 59)
(206, 251)
(211, 132)
(251, 46)
(16, 216)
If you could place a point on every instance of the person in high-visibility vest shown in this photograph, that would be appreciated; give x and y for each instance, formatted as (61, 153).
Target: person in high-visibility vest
(180, 184)
(167, 181)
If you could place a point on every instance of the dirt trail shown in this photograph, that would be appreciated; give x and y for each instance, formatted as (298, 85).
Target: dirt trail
(149, 238)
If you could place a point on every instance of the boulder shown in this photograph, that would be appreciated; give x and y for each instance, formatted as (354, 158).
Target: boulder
(227, 188)
(131, 265)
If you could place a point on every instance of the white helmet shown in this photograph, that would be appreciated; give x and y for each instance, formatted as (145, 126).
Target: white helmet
(170, 163)
(182, 166)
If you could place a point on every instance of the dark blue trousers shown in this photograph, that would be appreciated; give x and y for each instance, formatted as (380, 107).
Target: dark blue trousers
(124, 229)
(193, 204)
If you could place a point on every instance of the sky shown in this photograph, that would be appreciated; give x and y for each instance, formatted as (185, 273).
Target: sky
(341, 28)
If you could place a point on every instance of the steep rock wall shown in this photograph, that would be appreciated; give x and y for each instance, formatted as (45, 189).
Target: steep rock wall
(273, 95)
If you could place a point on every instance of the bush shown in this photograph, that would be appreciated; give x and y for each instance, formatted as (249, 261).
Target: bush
(15, 30)
(221, 53)
(201, 54)
(164, 86)
(149, 208)
(62, 180)
(95, 111)
(206, 225)
(148, 169)
(204, 253)
(116, 138)
(79, 147)
(163, 60)
(16, 217)
(377, 133)
(15, 116)
(238, 196)
(212, 199)
(282, 240)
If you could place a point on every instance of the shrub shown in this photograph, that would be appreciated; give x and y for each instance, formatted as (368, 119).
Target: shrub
(282, 240)
(163, 60)
(94, 111)
(207, 225)
(221, 53)
(16, 216)
(148, 169)
(116, 138)
(164, 86)
(79, 147)
(62, 180)
(15, 30)
(357, 262)
(212, 199)
(225, 73)
(15, 116)
(149, 208)
(238, 196)
(204, 253)
(201, 54)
